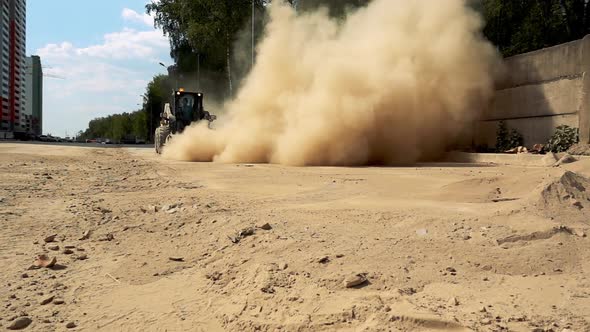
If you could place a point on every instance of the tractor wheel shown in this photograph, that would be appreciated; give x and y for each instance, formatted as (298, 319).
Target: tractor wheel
(161, 137)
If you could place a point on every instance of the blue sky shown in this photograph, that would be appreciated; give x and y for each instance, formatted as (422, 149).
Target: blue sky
(106, 51)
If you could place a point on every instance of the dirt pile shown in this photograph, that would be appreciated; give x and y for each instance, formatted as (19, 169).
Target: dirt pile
(394, 82)
(566, 195)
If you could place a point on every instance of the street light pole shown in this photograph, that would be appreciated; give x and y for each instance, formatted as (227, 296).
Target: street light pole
(175, 75)
(253, 33)
(147, 100)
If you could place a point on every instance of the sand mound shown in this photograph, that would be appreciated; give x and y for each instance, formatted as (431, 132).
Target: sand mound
(481, 190)
(566, 196)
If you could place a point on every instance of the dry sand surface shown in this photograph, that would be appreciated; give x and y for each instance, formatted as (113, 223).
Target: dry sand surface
(174, 246)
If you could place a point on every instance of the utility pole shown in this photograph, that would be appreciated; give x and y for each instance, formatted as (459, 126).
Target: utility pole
(253, 33)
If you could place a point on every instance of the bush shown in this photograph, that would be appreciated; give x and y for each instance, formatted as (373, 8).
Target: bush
(505, 139)
(563, 138)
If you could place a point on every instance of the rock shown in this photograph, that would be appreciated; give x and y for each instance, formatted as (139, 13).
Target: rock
(85, 236)
(549, 159)
(577, 204)
(579, 149)
(82, 257)
(172, 211)
(24, 276)
(422, 232)
(20, 323)
(107, 237)
(248, 231)
(169, 207)
(53, 248)
(58, 301)
(486, 321)
(323, 260)
(71, 325)
(104, 210)
(214, 276)
(283, 266)
(566, 159)
(537, 148)
(453, 301)
(50, 238)
(466, 238)
(176, 259)
(355, 280)
(580, 233)
(45, 261)
(68, 251)
(47, 300)
(266, 227)
(451, 269)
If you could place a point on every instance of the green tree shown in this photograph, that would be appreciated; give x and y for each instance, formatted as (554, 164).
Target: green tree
(206, 27)
(527, 25)
(158, 92)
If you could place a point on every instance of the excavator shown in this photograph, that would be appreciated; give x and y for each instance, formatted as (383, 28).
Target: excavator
(186, 109)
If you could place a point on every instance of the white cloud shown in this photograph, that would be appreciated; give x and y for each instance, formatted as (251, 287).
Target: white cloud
(133, 16)
(59, 51)
(103, 78)
(128, 44)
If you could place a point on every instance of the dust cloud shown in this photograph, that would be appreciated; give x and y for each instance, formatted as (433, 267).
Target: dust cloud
(395, 82)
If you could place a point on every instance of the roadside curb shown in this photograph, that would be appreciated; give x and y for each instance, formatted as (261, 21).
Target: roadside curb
(522, 159)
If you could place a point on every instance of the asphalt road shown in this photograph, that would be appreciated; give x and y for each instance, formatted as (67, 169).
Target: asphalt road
(88, 145)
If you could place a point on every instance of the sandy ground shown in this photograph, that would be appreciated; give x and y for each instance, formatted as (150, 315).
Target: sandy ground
(446, 247)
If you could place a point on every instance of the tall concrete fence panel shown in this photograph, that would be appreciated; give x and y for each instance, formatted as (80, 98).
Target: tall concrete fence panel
(540, 91)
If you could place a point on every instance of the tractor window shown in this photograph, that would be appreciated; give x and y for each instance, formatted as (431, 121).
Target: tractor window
(185, 107)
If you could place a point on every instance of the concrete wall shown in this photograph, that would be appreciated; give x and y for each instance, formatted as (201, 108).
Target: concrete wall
(540, 91)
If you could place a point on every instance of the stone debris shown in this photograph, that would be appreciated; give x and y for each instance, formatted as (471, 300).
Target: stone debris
(323, 260)
(566, 159)
(53, 248)
(68, 251)
(176, 259)
(45, 261)
(70, 325)
(266, 227)
(453, 301)
(50, 238)
(422, 232)
(47, 300)
(58, 301)
(107, 237)
(20, 323)
(248, 231)
(85, 236)
(355, 280)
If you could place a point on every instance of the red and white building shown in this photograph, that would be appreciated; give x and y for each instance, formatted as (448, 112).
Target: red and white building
(12, 67)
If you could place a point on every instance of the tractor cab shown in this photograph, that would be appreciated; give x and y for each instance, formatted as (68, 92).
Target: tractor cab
(185, 108)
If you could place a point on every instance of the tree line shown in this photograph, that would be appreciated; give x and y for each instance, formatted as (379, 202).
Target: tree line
(206, 35)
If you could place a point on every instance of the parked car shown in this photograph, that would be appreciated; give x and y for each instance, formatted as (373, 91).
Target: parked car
(43, 138)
